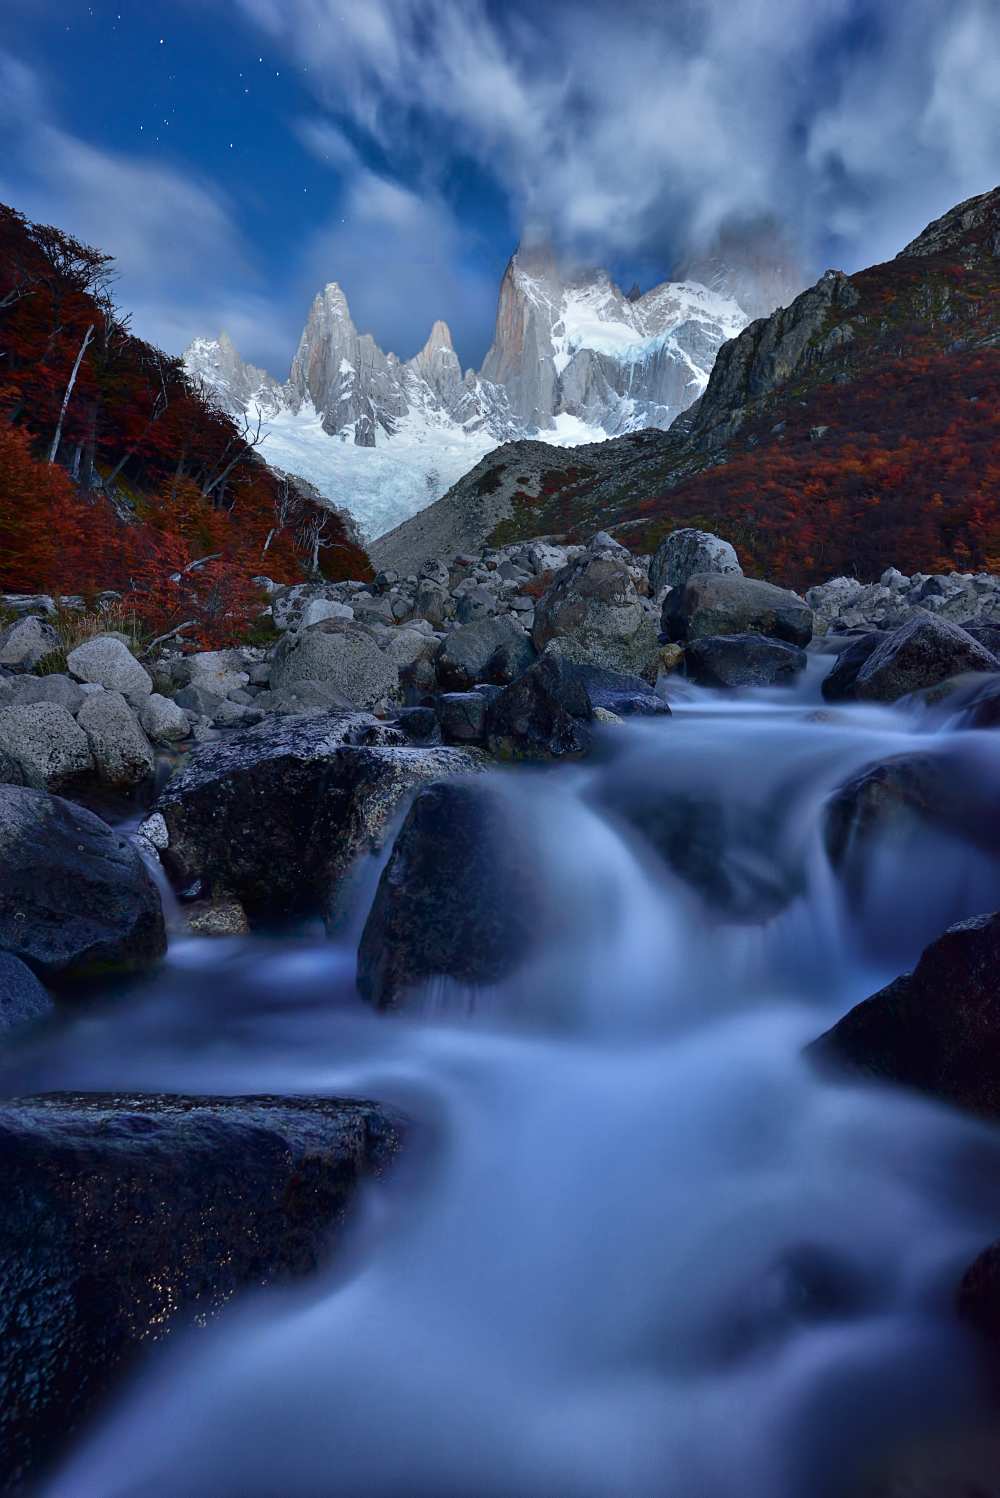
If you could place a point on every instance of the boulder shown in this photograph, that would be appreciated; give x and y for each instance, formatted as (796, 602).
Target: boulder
(23, 1000)
(304, 697)
(121, 751)
(722, 604)
(593, 613)
(164, 720)
(945, 789)
(108, 662)
(455, 900)
(275, 815)
(25, 691)
(490, 650)
(615, 691)
(125, 1217)
(543, 715)
(936, 1029)
(318, 609)
(76, 899)
(49, 748)
(342, 653)
(839, 684)
(922, 652)
(685, 552)
(462, 716)
(216, 671)
(742, 661)
(26, 642)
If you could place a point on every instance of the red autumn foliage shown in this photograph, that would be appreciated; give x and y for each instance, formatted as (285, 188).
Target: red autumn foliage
(154, 491)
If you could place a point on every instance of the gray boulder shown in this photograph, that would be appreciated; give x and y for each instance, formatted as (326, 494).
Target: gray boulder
(50, 749)
(304, 697)
(922, 652)
(163, 720)
(742, 661)
(276, 815)
(490, 650)
(594, 614)
(462, 716)
(109, 663)
(23, 1000)
(24, 691)
(340, 652)
(216, 671)
(723, 604)
(76, 899)
(688, 551)
(839, 685)
(318, 609)
(121, 751)
(26, 642)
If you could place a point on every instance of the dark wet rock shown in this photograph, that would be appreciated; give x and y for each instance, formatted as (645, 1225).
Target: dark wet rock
(277, 814)
(936, 1029)
(742, 661)
(839, 683)
(922, 652)
(593, 613)
(124, 1217)
(616, 691)
(462, 716)
(945, 789)
(304, 697)
(733, 854)
(685, 552)
(723, 604)
(490, 650)
(457, 899)
(419, 725)
(23, 1000)
(76, 899)
(543, 715)
(978, 705)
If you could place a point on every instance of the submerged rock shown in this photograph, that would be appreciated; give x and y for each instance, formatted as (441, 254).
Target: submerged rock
(457, 899)
(125, 1217)
(76, 899)
(276, 815)
(720, 604)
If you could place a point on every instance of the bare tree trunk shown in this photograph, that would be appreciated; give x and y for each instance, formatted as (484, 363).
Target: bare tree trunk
(75, 470)
(87, 337)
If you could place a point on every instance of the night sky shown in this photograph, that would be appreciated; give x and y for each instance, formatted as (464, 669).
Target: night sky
(237, 154)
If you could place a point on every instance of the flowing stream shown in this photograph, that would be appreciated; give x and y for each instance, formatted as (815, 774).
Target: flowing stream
(635, 1245)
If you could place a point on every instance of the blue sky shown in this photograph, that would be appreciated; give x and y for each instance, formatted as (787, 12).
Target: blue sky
(236, 154)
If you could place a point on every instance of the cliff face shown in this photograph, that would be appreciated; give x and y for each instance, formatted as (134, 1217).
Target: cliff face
(859, 423)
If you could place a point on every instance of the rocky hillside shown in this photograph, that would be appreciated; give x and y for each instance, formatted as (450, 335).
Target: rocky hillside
(854, 428)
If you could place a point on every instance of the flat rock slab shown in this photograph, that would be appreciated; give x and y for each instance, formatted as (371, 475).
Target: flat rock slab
(125, 1216)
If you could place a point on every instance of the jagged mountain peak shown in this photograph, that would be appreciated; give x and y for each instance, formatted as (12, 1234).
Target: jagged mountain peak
(974, 223)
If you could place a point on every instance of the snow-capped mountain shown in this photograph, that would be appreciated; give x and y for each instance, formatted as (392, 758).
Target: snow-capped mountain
(573, 360)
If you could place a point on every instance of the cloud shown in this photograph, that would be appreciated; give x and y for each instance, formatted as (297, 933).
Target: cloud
(635, 127)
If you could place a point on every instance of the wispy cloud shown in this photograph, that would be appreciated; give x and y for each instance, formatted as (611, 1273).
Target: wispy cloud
(628, 127)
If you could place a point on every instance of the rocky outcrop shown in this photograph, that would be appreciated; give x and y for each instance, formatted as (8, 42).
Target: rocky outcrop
(458, 899)
(722, 604)
(125, 1217)
(748, 660)
(276, 814)
(76, 899)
